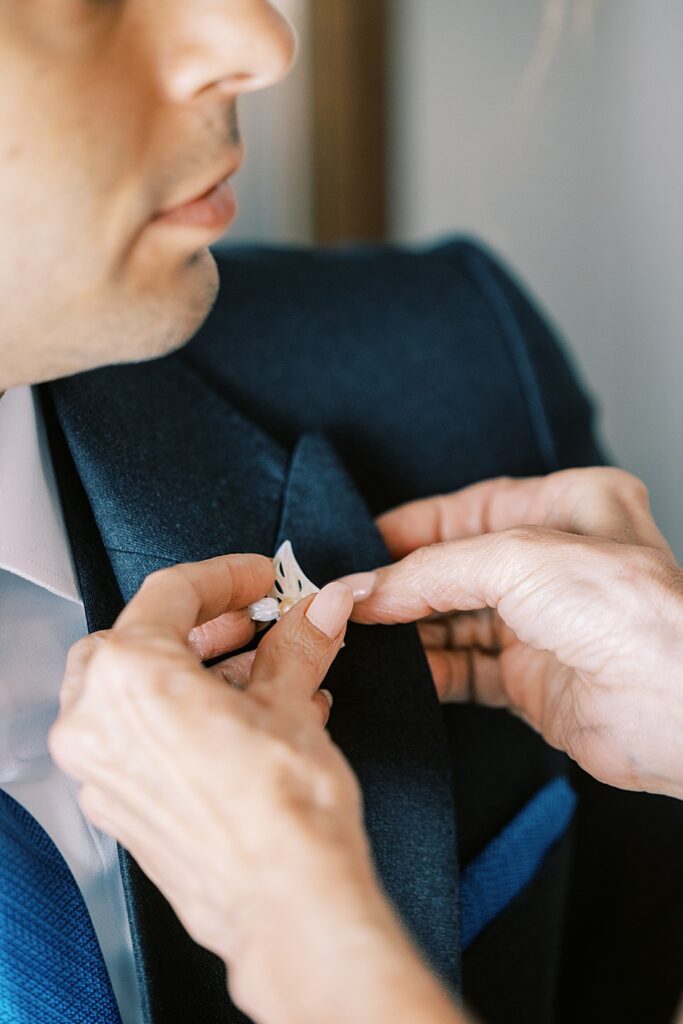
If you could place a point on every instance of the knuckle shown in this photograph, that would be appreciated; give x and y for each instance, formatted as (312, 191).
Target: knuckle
(523, 541)
(79, 651)
(239, 564)
(424, 572)
(155, 578)
(113, 657)
(296, 644)
(175, 577)
(633, 488)
(125, 663)
(525, 536)
(505, 482)
(641, 491)
(627, 485)
(419, 560)
(310, 649)
(73, 745)
(531, 556)
(99, 636)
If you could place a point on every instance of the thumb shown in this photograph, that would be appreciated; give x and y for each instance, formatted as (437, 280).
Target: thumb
(295, 656)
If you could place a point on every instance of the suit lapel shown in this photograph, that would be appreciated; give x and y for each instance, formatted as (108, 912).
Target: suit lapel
(143, 489)
(172, 472)
(205, 480)
(97, 582)
(386, 716)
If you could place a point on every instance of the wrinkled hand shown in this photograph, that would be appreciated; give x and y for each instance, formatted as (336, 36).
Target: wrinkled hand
(568, 610)
(232, 798)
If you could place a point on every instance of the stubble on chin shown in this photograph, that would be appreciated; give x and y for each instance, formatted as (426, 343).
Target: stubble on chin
(128, 326)
(160, 321)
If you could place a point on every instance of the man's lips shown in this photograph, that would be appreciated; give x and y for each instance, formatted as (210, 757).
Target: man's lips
(214, 210)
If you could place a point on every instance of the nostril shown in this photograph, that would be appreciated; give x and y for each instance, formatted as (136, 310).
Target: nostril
(241, 82)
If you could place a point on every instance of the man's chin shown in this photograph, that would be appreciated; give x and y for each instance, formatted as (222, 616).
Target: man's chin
(169, 320)
(135, 328)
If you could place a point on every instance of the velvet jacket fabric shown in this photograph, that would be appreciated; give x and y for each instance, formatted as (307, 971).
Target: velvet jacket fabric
(324, 389)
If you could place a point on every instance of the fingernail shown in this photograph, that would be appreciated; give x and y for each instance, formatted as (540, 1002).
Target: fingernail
(328, 697)
(361, 584)
(330, 609)
(195, 641)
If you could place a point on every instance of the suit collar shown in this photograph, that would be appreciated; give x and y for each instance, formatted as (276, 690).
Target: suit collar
(33, 539)
(97, 584)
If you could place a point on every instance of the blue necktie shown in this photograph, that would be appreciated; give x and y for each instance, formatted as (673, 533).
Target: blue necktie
(51, 967)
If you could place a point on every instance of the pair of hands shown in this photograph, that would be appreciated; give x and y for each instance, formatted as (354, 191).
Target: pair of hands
(557, 598)
(569, 612)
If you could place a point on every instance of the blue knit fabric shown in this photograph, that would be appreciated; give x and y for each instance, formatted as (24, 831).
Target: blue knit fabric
(51, 967)
(492, 880)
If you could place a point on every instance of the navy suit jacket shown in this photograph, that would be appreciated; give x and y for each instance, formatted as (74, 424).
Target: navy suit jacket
(324, 389)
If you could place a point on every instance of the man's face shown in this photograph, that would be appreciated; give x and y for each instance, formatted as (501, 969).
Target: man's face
(112, 112)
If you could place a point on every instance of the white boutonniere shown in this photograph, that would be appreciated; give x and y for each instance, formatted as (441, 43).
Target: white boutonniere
(291, 586)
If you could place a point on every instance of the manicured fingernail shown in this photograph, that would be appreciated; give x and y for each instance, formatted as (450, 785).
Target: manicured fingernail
(361, 584)
(328, 697)
(330, 609)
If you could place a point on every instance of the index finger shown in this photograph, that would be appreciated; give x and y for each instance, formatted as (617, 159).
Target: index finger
(482, 508)
(191, 594)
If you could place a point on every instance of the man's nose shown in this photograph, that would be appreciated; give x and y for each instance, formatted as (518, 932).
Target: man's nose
(237, 46)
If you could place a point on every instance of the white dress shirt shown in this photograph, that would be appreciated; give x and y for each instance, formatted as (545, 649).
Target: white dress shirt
(41, 616)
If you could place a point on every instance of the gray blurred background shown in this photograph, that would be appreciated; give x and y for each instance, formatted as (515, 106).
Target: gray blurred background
(554, 132)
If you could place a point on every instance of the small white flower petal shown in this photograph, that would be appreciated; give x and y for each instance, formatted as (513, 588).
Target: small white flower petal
(267, 610)
(290, 581)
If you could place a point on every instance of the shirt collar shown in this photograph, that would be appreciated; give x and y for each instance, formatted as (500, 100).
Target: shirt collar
(33, 538)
